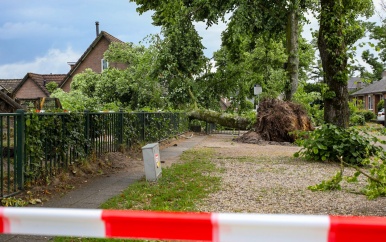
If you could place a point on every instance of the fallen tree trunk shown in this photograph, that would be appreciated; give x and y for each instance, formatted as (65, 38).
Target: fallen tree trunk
(222, 119)
(276, 121)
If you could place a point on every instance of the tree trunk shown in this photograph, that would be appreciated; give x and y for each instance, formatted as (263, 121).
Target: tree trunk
(292, 50)
(194, 99)
(221, 119)
(332, 48)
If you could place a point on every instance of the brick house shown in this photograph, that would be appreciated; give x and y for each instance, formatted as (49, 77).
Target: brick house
(33, 85)
(92, 58)
(372, 94)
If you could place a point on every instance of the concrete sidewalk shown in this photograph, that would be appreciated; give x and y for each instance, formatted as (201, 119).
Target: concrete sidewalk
(100, 189)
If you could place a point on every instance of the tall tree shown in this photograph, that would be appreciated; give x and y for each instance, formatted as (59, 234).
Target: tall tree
(377, 33)
(252, 61)
(181, 58)
(339, 29)
(375, 64)
(292, 32)
(248, 17)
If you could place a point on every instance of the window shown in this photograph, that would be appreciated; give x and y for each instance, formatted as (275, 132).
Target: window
(370, 103)
(104, 64)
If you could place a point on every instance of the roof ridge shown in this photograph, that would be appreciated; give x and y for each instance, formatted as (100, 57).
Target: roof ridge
(104, 34)
(376, 86)
(110, 37)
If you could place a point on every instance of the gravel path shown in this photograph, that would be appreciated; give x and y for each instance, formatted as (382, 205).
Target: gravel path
(268, 179)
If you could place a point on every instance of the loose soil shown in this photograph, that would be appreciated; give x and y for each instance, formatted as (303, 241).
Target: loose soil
(252, 137)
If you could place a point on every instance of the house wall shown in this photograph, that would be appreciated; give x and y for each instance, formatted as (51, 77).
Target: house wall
(30, 90)
(376, 98)
(92, 61)
(360, 101)
(119, 66)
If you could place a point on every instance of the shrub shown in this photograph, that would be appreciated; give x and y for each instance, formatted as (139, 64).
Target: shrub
(330, 142)
(357, 119)
(380, 105)
(368, 115)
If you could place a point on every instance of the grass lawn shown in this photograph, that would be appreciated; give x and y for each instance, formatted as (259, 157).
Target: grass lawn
(181, 186)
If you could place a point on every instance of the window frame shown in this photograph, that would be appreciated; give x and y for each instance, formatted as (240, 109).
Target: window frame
(104, 64)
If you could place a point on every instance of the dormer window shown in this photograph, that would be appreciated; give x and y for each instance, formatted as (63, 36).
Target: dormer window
(104, 64)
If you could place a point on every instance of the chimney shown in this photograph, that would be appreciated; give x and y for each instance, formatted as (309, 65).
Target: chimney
(97, 28)
(72, 65)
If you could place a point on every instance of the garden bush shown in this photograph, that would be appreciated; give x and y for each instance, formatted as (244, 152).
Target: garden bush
(380, 105)
(357, 119)
(330, 143)
(367, 114)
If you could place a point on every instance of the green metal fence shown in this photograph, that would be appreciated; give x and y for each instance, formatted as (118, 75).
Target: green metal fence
(212, 128)
(12, 155)
(37, 146)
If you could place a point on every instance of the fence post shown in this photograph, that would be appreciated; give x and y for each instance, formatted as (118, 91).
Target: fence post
(120, 127)
(87, 130)
(20, 148)
(143, 119)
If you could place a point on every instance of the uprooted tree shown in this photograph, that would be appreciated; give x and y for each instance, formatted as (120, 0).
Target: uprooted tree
(276, 120)
(221, 119)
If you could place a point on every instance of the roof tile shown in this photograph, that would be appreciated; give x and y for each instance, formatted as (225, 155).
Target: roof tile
(40, 78)
(375, 87)
(10, 84)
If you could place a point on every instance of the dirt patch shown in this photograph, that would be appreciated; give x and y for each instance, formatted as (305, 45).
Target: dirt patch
(252, 137)
(227, 146)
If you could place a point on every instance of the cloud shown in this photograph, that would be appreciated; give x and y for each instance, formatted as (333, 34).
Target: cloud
(11, 30)
(54, 61)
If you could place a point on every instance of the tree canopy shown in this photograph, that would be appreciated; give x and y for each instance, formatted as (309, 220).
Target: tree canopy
(247, 18)
(261, 45)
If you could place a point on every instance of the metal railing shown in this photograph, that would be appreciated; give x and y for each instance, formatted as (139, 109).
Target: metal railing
(12, 155)
(37, 146)
(212, 128)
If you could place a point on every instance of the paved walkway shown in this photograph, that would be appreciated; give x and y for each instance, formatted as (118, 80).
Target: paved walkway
(102, 188)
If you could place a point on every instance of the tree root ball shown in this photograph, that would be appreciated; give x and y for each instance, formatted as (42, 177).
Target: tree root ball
(276, 119)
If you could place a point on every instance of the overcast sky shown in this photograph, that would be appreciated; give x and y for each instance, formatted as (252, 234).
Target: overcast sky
(41, 36)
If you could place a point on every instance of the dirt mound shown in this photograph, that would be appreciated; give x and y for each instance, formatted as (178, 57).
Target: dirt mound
(252, 137)
(276, 120)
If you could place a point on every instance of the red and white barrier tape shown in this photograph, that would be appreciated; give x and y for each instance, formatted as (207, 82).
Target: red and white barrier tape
(190, 226)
